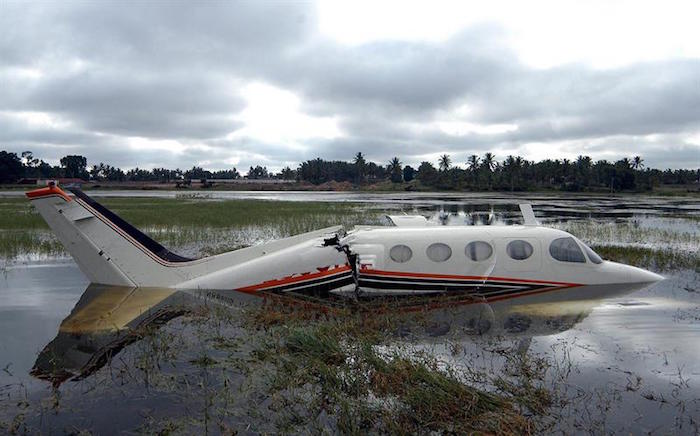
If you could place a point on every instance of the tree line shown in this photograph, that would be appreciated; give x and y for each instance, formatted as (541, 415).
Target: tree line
(478, 173)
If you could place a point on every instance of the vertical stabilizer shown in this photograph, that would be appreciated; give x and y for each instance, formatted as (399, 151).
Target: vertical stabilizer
(66, 218)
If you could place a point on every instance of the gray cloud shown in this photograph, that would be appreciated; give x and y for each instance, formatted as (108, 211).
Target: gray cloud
(175, 71)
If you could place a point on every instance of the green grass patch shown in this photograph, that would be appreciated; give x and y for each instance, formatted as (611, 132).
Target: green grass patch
(202, 226)
(332, 365)
(658, 259)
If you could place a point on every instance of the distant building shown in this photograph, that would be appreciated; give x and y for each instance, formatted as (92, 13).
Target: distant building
(244, 181)
(62, 181)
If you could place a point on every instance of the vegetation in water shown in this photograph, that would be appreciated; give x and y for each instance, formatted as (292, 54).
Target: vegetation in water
(197, 226)
(369, 389)
(285, 369)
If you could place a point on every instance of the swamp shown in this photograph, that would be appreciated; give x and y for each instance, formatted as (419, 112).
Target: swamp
(86, 359)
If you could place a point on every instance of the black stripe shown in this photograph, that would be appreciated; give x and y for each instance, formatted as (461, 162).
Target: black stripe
(321, 280)
(488, 286)
(409, 281)
(391, 278)
(485, 291)
(315, 288)
(151, 245)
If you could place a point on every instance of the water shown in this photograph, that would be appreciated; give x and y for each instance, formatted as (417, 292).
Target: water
(624, 363)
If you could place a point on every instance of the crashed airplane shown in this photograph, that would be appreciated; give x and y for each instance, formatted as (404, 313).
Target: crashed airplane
(412, 257)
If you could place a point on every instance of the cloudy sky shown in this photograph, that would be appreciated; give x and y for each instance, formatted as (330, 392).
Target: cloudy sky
(222, 84)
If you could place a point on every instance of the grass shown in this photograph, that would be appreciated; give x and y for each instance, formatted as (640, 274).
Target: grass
(398, 392)
(666, 259)
(199, 226)
(196, 225)
(658, 249)
(277, 369)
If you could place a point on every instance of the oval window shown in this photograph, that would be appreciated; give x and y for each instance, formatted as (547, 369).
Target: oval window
(519, 250)
(438, 252)
(400, 253)
(478, 251)
(566, 250)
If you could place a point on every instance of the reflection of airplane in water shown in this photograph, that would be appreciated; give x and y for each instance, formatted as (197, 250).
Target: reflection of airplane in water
(409, 258)
(106, 319)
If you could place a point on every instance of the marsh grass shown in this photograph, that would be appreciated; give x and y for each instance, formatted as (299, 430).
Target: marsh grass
(199, 226)
(666, 259)
(659, 249)
(368, 390)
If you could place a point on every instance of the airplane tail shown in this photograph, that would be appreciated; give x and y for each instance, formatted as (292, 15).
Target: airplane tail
(111, 251)
(107, 249)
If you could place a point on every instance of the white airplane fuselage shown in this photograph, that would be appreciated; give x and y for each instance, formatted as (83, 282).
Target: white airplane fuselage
(489, 262)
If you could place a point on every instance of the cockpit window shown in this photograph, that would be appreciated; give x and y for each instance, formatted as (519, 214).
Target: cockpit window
(592, 255)
(519, 250)
(566, 250)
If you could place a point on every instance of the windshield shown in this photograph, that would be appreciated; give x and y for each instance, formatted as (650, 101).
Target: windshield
(592, 255)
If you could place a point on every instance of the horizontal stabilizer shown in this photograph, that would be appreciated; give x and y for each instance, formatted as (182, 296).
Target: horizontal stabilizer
(409, 220)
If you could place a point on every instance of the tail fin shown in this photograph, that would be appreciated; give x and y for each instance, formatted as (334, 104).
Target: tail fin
(107, 249)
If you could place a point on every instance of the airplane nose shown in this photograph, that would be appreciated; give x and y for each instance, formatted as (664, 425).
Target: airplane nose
(638, 275)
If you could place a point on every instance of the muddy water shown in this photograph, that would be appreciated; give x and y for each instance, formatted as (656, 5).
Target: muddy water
(624, 363)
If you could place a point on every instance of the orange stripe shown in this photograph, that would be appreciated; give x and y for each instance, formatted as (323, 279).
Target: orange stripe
(457, 277)
(47, 192)
(293, 279)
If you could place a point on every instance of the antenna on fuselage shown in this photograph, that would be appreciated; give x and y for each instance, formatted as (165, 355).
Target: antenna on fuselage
(528, 215)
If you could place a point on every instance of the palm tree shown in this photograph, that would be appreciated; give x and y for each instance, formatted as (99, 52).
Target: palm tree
(473, 163)
(360, 166)
(489, 164)
(445, 162)
(395, 171)
(489, 161)
(509, 170)
(637, 163)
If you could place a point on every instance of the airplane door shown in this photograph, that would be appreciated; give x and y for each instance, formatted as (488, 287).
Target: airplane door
(481, 258)
(369, 256)
(517, 260)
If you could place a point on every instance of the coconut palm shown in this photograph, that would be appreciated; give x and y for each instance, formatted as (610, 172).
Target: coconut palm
(488, 163)
(637, 163)
(395, 171)
(445, 162)
(360, 166)
(473, 163)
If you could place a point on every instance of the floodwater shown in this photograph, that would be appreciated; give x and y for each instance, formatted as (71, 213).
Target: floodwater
(624, 362)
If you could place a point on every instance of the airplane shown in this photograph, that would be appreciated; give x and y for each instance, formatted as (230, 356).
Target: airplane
(410, 258)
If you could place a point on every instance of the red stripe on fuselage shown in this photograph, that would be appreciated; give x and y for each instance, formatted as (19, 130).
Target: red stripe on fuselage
(303, 277)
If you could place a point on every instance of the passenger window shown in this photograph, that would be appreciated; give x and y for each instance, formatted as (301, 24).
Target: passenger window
(519, 250)
(438, 252)
(592, 255)
(566, 250)
(478, 251)
(400, 253)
